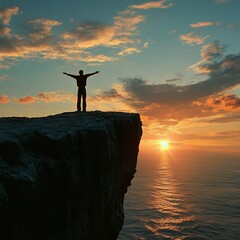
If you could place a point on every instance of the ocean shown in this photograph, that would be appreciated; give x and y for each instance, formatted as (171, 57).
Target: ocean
(184, 196)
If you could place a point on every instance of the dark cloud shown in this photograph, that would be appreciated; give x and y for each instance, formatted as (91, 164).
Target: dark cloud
(87, 31)
(154, 93)
(224, 75)
(111, 93)
(7, 45)
(176, 102)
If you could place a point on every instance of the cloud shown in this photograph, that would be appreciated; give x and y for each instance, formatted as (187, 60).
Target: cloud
(209, 24)
(41, 47)
(223, 140)
(208, 136)
(172, 31)
(109, 94)
(126, 24)
(100, 58)
(153, 4)
(203, 24)
(7, 13)
(192, 38)
(4, 99)
(223, 103)
(36, 43)
(90, 34)
(77, 43)
(56, 96)
(47, 97)
(40, 41)
(40, 29)
(223, 118)
(172, 103)
(28, 99)
(212, 52)
(128, 51)
(146, 45)
(5, 31)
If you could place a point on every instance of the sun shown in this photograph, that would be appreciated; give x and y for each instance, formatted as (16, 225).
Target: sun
(164, 145)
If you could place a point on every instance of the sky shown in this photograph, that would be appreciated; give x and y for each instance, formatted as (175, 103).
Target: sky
(175, 62)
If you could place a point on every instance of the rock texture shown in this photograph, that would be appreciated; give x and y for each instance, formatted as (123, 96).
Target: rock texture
(64, 177)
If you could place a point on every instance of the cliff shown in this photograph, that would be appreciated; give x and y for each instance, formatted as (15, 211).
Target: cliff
(64, 177)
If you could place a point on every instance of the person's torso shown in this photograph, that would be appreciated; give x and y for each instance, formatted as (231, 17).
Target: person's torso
(81, 80)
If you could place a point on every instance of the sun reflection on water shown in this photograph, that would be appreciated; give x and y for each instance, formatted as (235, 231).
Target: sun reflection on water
(170, 209)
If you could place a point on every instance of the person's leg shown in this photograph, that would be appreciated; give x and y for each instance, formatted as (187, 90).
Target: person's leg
(79, 100)
(84, 95)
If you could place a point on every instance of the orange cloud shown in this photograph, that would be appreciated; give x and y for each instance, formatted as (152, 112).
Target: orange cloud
(48, 97)
(203, 24)
(70, 45)
(28, 99)
(228, 102)
(153, 4)
(128, 51)
(87, 35)
(5, 31)
(7, 13)
(56, 97)
(39, 40)
(97, 58)
(4, 99)
(126, 25)
(192, 39)
(41, 28)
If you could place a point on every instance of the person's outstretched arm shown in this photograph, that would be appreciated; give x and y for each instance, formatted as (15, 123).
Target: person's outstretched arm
(90, 74)
(71, 75)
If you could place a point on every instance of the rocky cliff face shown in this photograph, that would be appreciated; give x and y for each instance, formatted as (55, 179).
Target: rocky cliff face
(64, 177)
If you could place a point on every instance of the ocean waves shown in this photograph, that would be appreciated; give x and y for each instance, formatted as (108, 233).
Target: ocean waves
(182, 199)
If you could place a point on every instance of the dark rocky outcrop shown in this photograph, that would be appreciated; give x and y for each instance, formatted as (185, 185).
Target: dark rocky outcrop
(64, 177)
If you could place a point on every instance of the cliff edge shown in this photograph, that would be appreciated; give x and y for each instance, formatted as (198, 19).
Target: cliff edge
(64, 177)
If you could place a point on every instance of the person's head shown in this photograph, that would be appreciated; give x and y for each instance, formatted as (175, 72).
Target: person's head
(81, 72)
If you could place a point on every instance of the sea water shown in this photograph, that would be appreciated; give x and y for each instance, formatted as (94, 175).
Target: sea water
(184, 196)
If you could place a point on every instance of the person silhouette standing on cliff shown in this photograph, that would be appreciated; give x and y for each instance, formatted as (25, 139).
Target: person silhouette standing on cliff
(81, 83)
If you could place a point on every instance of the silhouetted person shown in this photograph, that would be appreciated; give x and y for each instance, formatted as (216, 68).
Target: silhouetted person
(81, 83)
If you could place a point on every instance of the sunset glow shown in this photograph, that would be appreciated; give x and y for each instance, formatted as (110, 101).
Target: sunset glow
(164, 145)
(175, 64)
(180, 75)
